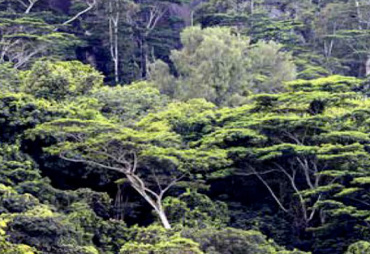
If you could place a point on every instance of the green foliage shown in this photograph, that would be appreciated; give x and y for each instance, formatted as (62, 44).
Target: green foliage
(334, 83)
(36, 214)
(129, 103)
(21, 111)
(7, 247)
(359, 247)
(29, 222)
(303, 144)
(174, 244)
(219, 66)
(185, 119)
(195, 210)
(61, 80)
(230, 240)
(10, 80)
(159, 241)
(271, 67)
(24, 38)
(211, 65)
(190, 241)
(292, 162)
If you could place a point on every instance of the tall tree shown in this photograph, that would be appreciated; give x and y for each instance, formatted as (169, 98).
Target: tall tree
(151, 159)
(118, 10)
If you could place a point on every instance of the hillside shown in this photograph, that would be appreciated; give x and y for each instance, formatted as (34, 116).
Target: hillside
(184, 127)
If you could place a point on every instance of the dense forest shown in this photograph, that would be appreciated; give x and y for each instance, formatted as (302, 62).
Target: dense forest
(184, 127)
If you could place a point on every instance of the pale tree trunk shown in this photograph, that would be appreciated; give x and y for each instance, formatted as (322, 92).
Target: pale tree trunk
(367, 65)
(306, 168)
(152, 196)
(91, 4)
(360, 22)
(163, 217)
(156, 205)
(114, 17)
(116, 60)
(155, 202)
(30, 6)
(359, 14)
(307, 213)
(156, 13)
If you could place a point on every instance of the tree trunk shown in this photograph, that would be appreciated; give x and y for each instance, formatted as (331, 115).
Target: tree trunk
(359, 14)
(114, 17)
(144, 56)
(367, 66)
(163, 217)
(155, 202)
(116, 59)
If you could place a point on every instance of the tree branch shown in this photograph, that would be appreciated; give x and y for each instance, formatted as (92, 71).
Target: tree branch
(270, 190)
(170, 185)
(90, 4)
(30, 6)
(64, 157)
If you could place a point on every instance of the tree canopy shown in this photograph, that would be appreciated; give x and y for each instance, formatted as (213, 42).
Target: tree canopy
(184, 126)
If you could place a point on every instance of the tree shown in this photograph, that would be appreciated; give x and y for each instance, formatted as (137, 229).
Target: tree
(26, 113)
(60, 80)
(196, 241)
(145, 23)
(343, 33)
(306, 152)
(94, 143)
(90, 5)
(271, 66)
(151, 156)
(28, 205)
(195, 210)
(117, 10)
(24, 38)
(221, 67)
(131, 102)
(212, 65)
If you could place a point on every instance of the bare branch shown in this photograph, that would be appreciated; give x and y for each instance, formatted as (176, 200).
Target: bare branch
(135, 180)
(153, 198)
(26, 58)
(305, 167)
(155, 14)
(30, 6)
(270, 190)
(22, 3)
(314, 209)
(64, 157)
(134, 167)
(91, 4)
(253, 173)
(171, 184)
